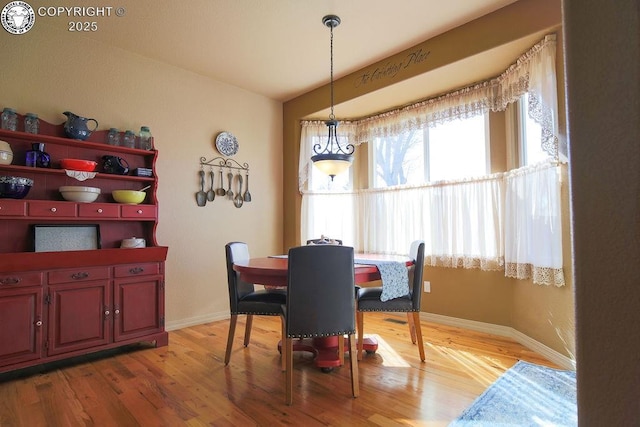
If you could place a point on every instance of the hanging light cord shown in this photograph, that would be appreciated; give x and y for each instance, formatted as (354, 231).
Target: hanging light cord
(331, 116)
(332, 151)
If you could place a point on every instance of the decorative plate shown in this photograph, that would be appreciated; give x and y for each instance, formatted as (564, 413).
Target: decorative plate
(227, 144)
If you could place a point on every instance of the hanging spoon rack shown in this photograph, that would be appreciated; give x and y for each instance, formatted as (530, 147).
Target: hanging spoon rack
(242, 195)
(224, 163)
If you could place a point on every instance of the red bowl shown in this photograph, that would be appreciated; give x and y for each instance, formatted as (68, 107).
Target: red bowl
(78, 165)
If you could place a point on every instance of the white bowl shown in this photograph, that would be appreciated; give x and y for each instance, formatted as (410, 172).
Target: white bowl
(133, 242)
(74, 193)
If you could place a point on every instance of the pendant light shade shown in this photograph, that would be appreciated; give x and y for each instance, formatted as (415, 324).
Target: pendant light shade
(333, 159)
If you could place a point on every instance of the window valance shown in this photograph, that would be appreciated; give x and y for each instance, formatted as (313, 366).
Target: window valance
(533, 72)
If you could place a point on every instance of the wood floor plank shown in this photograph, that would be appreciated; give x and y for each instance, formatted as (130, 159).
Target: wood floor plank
(187, 384)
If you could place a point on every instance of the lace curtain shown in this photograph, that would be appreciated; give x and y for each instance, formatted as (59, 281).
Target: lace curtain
(507, 221)
(533, 227)
(330, 214)
(460, 221)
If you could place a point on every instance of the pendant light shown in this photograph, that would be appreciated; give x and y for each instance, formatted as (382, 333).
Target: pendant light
(332, 159)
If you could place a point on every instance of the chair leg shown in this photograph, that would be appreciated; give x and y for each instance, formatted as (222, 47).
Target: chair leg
(412, 327)
(283, 353)
(289, 374)
(355, 380)
(416, 322)
(247, 330)
(232, 331)
(341, 349)
(360, 326)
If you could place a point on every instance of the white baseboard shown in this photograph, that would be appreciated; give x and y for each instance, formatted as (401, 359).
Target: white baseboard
(489, 328)
(505, 331)
(198, 320)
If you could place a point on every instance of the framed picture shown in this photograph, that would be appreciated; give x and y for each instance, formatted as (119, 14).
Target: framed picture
(65, 237)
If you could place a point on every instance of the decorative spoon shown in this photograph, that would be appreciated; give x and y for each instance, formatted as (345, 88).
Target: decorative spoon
(247, 195)
(229, 191)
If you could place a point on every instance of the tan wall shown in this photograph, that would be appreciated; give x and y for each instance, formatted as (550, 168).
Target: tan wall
(543, 313)
(48, 71)
(603, 77)
(481, 296)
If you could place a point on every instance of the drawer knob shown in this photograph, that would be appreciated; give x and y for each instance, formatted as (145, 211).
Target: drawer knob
(79, 276)
(10, 280)
(139, 211)
(116, 311)
(100, 210)
(136, 270)
(53, 209)
(107, 312)
(39, 323)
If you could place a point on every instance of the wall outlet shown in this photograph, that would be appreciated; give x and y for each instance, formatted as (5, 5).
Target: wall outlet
(427, 286)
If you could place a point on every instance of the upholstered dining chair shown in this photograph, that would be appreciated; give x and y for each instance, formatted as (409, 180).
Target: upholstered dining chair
(320, 303)
(368, 299)
(245, 299)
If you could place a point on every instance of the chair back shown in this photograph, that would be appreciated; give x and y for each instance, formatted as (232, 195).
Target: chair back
(236, 251)
(416, 252)
(320, 292)
(324, 241)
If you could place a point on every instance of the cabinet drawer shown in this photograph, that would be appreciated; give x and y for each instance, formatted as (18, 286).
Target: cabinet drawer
(132, 270)
(12, 280)
(13, 208)
(98, 210)
(78, 275)
(52, 209)
(139, 211)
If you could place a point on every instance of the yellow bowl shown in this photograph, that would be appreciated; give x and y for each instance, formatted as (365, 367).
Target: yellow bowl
(131, 197)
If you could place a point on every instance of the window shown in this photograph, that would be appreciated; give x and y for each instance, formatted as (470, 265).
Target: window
(530, 136)
(452, 150)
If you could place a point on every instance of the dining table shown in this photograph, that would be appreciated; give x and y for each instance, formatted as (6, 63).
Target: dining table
(272, 271)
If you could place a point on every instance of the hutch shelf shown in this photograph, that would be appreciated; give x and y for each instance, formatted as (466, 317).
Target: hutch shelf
(60, 304)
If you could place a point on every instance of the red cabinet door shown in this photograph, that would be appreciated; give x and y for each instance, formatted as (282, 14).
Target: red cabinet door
(20, 325)
(79, 316)
(138, 307)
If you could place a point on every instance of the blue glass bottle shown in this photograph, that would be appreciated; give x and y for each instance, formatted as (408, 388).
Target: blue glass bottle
(36, 157)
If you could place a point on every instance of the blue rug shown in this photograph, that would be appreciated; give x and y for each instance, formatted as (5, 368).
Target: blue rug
(525, 395)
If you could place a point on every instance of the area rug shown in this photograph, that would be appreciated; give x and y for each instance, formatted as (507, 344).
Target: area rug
(525, 395)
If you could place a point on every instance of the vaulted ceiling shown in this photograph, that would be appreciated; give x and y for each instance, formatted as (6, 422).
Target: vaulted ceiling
(277, 48)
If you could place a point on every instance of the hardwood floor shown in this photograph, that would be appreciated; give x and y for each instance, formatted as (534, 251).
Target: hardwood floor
(187, 384)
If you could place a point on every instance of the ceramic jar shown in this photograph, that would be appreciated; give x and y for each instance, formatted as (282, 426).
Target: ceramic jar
(6, 154)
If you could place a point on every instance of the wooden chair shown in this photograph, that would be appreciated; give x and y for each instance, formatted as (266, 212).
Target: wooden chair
(320, 303)
(368, 299)
(245, 299)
